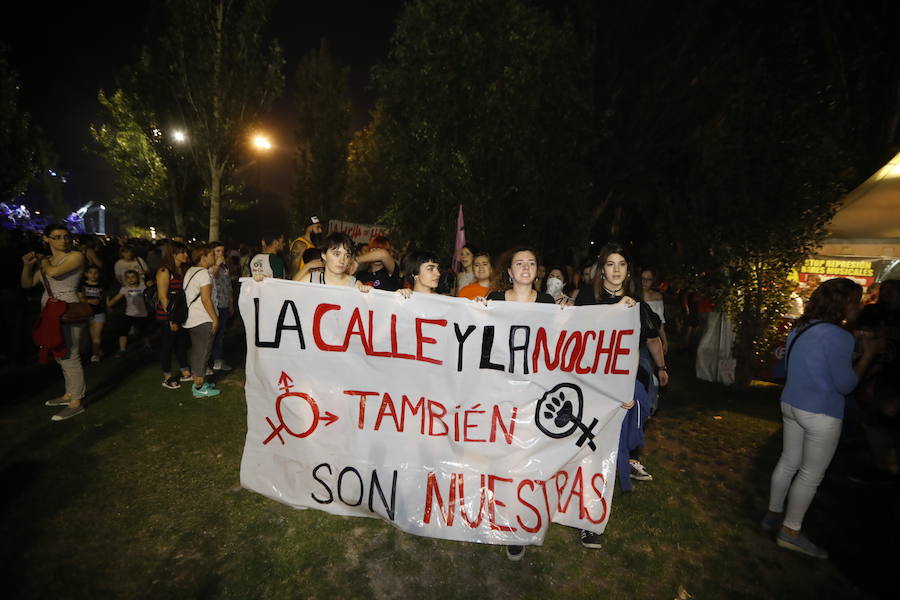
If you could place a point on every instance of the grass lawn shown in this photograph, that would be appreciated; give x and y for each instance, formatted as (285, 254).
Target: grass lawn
(140, 498)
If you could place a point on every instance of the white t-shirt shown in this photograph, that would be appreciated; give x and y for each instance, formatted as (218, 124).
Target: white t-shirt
(659, 307)
(196, 278)
(138, 265)
(134, 300)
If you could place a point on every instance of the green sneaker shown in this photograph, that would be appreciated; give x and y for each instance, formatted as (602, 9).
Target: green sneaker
(204, 391)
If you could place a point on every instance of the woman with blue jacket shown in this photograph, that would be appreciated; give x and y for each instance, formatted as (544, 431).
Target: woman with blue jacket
(820, 371)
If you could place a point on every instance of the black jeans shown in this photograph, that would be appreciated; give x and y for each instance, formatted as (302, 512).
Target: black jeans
(172, 340)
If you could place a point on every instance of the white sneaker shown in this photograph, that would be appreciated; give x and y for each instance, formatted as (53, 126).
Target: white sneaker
(639, 472)
(208, 372)
(221, 365)
(95, 358)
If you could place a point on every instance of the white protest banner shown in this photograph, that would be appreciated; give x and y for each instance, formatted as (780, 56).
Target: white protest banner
(448, 418)
(359, 232)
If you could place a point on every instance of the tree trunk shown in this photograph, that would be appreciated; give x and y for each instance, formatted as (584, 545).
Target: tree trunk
(176, 203)
(215, 199)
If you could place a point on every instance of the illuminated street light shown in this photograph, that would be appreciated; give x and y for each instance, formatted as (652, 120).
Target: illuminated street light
(179, 136)
(261, 142)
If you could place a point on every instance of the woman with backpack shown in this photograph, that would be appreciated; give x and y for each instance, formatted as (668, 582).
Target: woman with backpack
(202, 320)
(169, 280)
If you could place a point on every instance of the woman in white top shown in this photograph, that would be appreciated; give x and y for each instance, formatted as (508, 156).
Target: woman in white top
(654, 300)
(467, 266)
(129, 262)
(203, 321)
(62, 270)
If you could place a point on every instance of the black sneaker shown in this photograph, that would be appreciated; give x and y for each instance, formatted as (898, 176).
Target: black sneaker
(515, 552)
(171, 383)
(589, 539)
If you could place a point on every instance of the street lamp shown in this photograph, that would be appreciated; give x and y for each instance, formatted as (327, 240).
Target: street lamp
(179, 136)
(262, 142)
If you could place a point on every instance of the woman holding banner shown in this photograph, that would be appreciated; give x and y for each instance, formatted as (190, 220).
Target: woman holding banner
(422, 273)
(614, 284)
(338, 252)
(516, 271)
(515, 274)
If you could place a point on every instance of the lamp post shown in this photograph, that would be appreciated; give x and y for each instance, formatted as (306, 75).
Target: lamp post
(102, 216)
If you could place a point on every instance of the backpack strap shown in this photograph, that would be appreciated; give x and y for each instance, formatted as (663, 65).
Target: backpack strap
(188, 283)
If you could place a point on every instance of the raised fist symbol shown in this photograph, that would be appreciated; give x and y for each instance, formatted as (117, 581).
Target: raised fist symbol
(558, 414)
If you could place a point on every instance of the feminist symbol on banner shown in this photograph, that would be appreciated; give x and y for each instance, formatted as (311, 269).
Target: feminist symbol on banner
(301, 407)
(558, 414)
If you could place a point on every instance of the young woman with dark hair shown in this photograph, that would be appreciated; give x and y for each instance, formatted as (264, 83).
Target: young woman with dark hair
(170, 280)
(821, 370)
(422, 273)
(514, 277)
(60, 273)
(555, 285)
(336, 254)
(613, 283)
(467, 266)
(481, 287)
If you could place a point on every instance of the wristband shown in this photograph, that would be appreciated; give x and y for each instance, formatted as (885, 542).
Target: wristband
(663, 368)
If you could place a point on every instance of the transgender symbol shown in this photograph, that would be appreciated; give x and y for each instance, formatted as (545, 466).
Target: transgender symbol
(558, 414)
(300, 406)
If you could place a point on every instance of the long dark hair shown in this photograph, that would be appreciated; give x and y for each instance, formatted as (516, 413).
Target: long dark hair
(830, 300)
(168, 258)
(628, 287)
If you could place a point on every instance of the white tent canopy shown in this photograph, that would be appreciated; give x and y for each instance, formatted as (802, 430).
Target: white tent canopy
(868, 221)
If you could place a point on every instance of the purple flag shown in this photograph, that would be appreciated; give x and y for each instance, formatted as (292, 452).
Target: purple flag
(460, 239)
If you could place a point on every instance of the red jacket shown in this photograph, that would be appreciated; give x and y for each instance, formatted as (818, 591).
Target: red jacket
(47, 334)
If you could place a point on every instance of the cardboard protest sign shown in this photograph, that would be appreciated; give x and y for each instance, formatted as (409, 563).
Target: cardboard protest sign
(448, 418)
(361, 233)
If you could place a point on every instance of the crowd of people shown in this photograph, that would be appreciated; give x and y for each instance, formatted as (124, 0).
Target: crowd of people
(515, 275)
(179, 298)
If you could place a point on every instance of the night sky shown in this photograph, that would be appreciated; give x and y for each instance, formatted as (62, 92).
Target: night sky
(65, 52)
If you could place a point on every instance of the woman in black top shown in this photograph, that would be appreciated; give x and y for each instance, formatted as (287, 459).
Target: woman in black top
(613, 284)
(515, 273)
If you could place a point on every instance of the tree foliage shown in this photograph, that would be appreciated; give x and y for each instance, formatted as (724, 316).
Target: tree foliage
(486, 104)
(761, 171)
(125, 141)
(224, 76)
(322, 101)
(17, 148)
(367, 192)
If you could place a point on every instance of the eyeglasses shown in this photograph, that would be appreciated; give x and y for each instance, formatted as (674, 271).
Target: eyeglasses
(60, 237)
